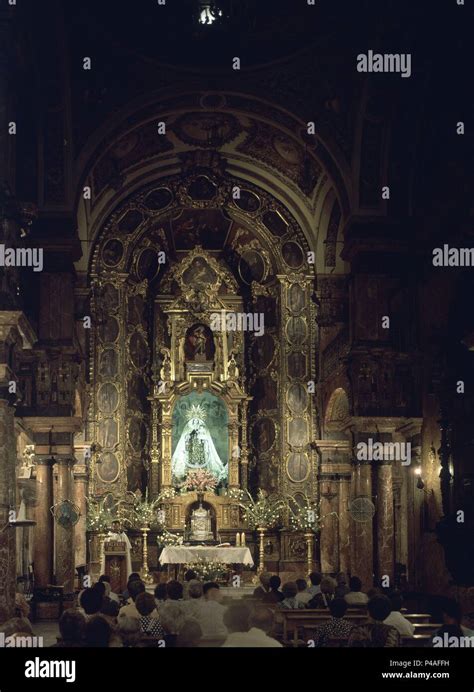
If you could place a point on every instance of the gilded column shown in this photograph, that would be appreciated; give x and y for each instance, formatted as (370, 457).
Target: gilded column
(64, 531)
(244, 458)
(385, 522)
(43, 542)
(154, 452)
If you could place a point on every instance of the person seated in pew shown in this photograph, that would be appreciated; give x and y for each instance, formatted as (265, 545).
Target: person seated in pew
(274, 594)
(172, 612)
(260, 591)
(210, 613)
(323, 599)
(375, 633)
(356, 596)
(303, 596)
(72, 625)
(160, 595)
(98, 633)
(192, 605)
(134, 576)
(189, 635)
(452, 615)
(105, 579)
(149, 618)
(338, 627)
(403, 626)
(90, 601)
(135, 588)
(315, 579)
(246, 630)
(290, 601)
(341, 586)
(189, 576)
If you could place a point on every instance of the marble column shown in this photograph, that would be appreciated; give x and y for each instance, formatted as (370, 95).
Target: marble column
(7, 504)
(355, 483)
(385, 522)
(80, 494)
(43, 541)
(344, 525)
(364, 553)
(329, 527)
(64, 533)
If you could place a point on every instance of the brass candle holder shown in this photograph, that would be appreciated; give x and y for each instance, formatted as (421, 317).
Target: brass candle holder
(309, 537)
(146, 576)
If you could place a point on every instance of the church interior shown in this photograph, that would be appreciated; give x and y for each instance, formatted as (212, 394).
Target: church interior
(225, 349)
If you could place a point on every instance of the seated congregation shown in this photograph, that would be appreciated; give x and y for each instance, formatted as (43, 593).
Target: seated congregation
(323, 612)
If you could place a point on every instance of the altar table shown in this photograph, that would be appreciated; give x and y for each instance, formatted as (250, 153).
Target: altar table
(182, 554)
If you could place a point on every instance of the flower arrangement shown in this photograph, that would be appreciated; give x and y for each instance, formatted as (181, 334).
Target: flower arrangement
(199, 480)
(263, 512)
(100, 514)
(208, 570)
(305, 515)
(166, 538)
(144, 513)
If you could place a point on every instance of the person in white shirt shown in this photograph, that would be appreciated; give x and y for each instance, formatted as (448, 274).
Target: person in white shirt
(315, 579)
(246, 630)
(105, 579)
(172, 611)
(210, 613)
(135, 588)
(192, 605)
(396, 619)
(303, 596)
(355, 595)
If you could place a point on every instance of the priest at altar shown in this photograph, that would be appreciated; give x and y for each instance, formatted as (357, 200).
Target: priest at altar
(117, 535)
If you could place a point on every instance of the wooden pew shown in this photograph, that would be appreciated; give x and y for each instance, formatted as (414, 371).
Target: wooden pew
(292, 620)
(417, 640)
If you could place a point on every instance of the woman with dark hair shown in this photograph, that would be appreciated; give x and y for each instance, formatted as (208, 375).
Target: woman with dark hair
(274, 594)
(375, 633)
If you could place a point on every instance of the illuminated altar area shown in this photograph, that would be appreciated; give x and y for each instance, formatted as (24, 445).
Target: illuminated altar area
(202, 349)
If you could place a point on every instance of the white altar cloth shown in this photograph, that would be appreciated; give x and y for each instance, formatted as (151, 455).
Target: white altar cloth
(181, 554)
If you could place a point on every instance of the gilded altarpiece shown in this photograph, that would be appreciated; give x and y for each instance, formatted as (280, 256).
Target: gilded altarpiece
(154, 341)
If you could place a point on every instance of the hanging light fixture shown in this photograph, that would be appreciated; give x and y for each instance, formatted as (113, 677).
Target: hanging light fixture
(209, 13)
